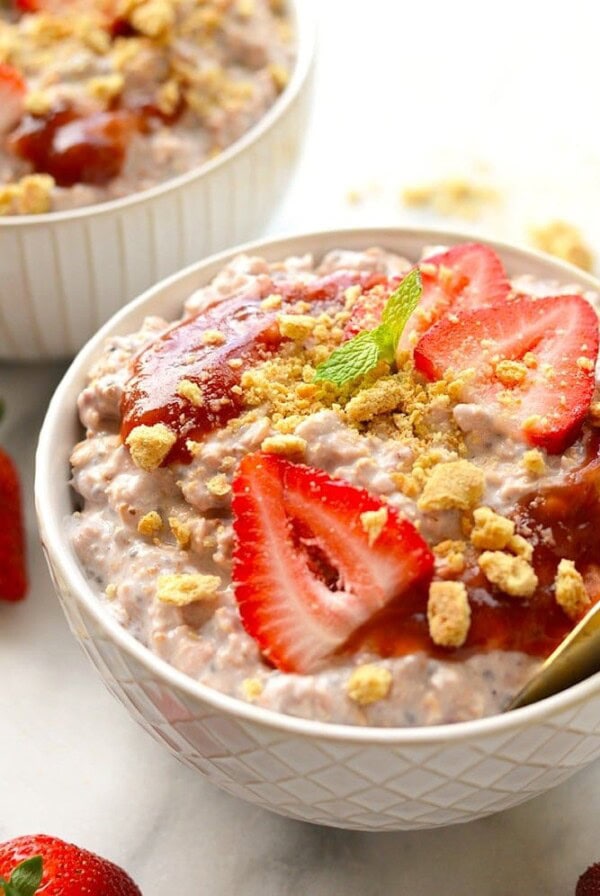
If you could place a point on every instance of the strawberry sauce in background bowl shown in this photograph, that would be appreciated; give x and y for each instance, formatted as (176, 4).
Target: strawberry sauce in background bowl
(65, 273)
(337, 774)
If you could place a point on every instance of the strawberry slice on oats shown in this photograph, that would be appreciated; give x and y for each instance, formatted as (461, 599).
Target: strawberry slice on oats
(314, 559)
(532, 363)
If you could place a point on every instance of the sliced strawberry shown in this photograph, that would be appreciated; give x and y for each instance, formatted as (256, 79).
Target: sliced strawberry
(13, 577)
(12, 97)
(304, 572)
(547, 406)
(465, 277)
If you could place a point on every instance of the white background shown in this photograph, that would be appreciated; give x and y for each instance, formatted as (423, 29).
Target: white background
(404, 93)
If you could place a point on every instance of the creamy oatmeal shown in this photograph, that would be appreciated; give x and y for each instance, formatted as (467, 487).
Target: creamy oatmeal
(401, 548)
(117, 97)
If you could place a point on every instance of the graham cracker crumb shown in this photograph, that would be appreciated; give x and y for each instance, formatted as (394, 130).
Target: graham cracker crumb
(491, 531)
(513, 575)
(570, 590)
(150, 524)
(284, 444)
(533, 462)
(149, 445)
(111, 591)
(181, 589)
(296, 326)
(373, 523)
(213, 337)
(456, 485)
(448, 613)
(272, 302)
(191, 392)
(218, 485)
(368, 684)
(511, 373)
(565, 241)
(455, 196)
(521, 547)
(252, 688)
(450, 557)
(384, 395)
(181, 531)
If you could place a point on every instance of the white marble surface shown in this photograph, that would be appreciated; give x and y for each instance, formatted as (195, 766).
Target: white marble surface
(402, 94)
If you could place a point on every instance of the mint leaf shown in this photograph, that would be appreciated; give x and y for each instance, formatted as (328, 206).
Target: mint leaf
(360, 355)
(352, 359)
(401, 305)
(25, 879)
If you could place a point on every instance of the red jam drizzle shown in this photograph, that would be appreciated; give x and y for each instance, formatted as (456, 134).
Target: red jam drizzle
(249, 333)
(561, 522)
(89, 150)
(85, 149)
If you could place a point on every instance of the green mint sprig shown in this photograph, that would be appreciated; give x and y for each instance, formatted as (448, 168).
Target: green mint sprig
(362, 353)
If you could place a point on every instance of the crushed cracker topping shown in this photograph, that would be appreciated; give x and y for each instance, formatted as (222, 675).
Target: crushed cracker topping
(150, 524)
(284, 444)
(218, 485)
(373, 523)
(565, 241)
(149, 445)
(181, 531)
(570, 590)
(296, 326)
(448, 613)
(213, 337)
(252, 688)
(513, 575)
(491, 531)
(181, 589)
(368, 684)
(191, 392)
(383, 396)
(456, 485)
(533, 462)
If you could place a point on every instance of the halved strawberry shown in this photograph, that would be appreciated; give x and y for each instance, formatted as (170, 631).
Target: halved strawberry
(467, 276)
(13, 575)
(12, 97)
(542, 401)
(305, 573)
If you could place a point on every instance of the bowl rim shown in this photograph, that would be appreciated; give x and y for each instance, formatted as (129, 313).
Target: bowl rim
(303, 13)
(55, 542)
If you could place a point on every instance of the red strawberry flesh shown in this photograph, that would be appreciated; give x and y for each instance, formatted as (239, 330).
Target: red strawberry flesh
(13, 576)
(68, 870)
(560, 334)
(12, 97)
(290, 611)
(464, 277)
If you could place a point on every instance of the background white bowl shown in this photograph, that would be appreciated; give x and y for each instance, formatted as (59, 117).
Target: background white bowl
(363, 778)
(63, 274)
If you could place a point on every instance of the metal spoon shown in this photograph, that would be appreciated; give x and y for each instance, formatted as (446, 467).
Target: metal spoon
(576, 658)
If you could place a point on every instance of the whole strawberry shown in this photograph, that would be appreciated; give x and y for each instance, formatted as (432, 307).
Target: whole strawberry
(49, 866)
(13, 578)
(589, 882)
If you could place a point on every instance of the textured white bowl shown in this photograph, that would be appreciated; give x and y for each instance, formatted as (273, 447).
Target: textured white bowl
(64, 274)
(365, 778)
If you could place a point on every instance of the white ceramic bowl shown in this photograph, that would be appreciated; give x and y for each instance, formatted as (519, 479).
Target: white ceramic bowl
(64, 274)
(365, 778)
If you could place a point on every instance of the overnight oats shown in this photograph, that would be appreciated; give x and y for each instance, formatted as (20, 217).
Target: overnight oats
(99, 100)
(359, 489)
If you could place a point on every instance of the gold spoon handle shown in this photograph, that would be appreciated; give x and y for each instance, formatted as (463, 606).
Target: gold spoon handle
(576, 658)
